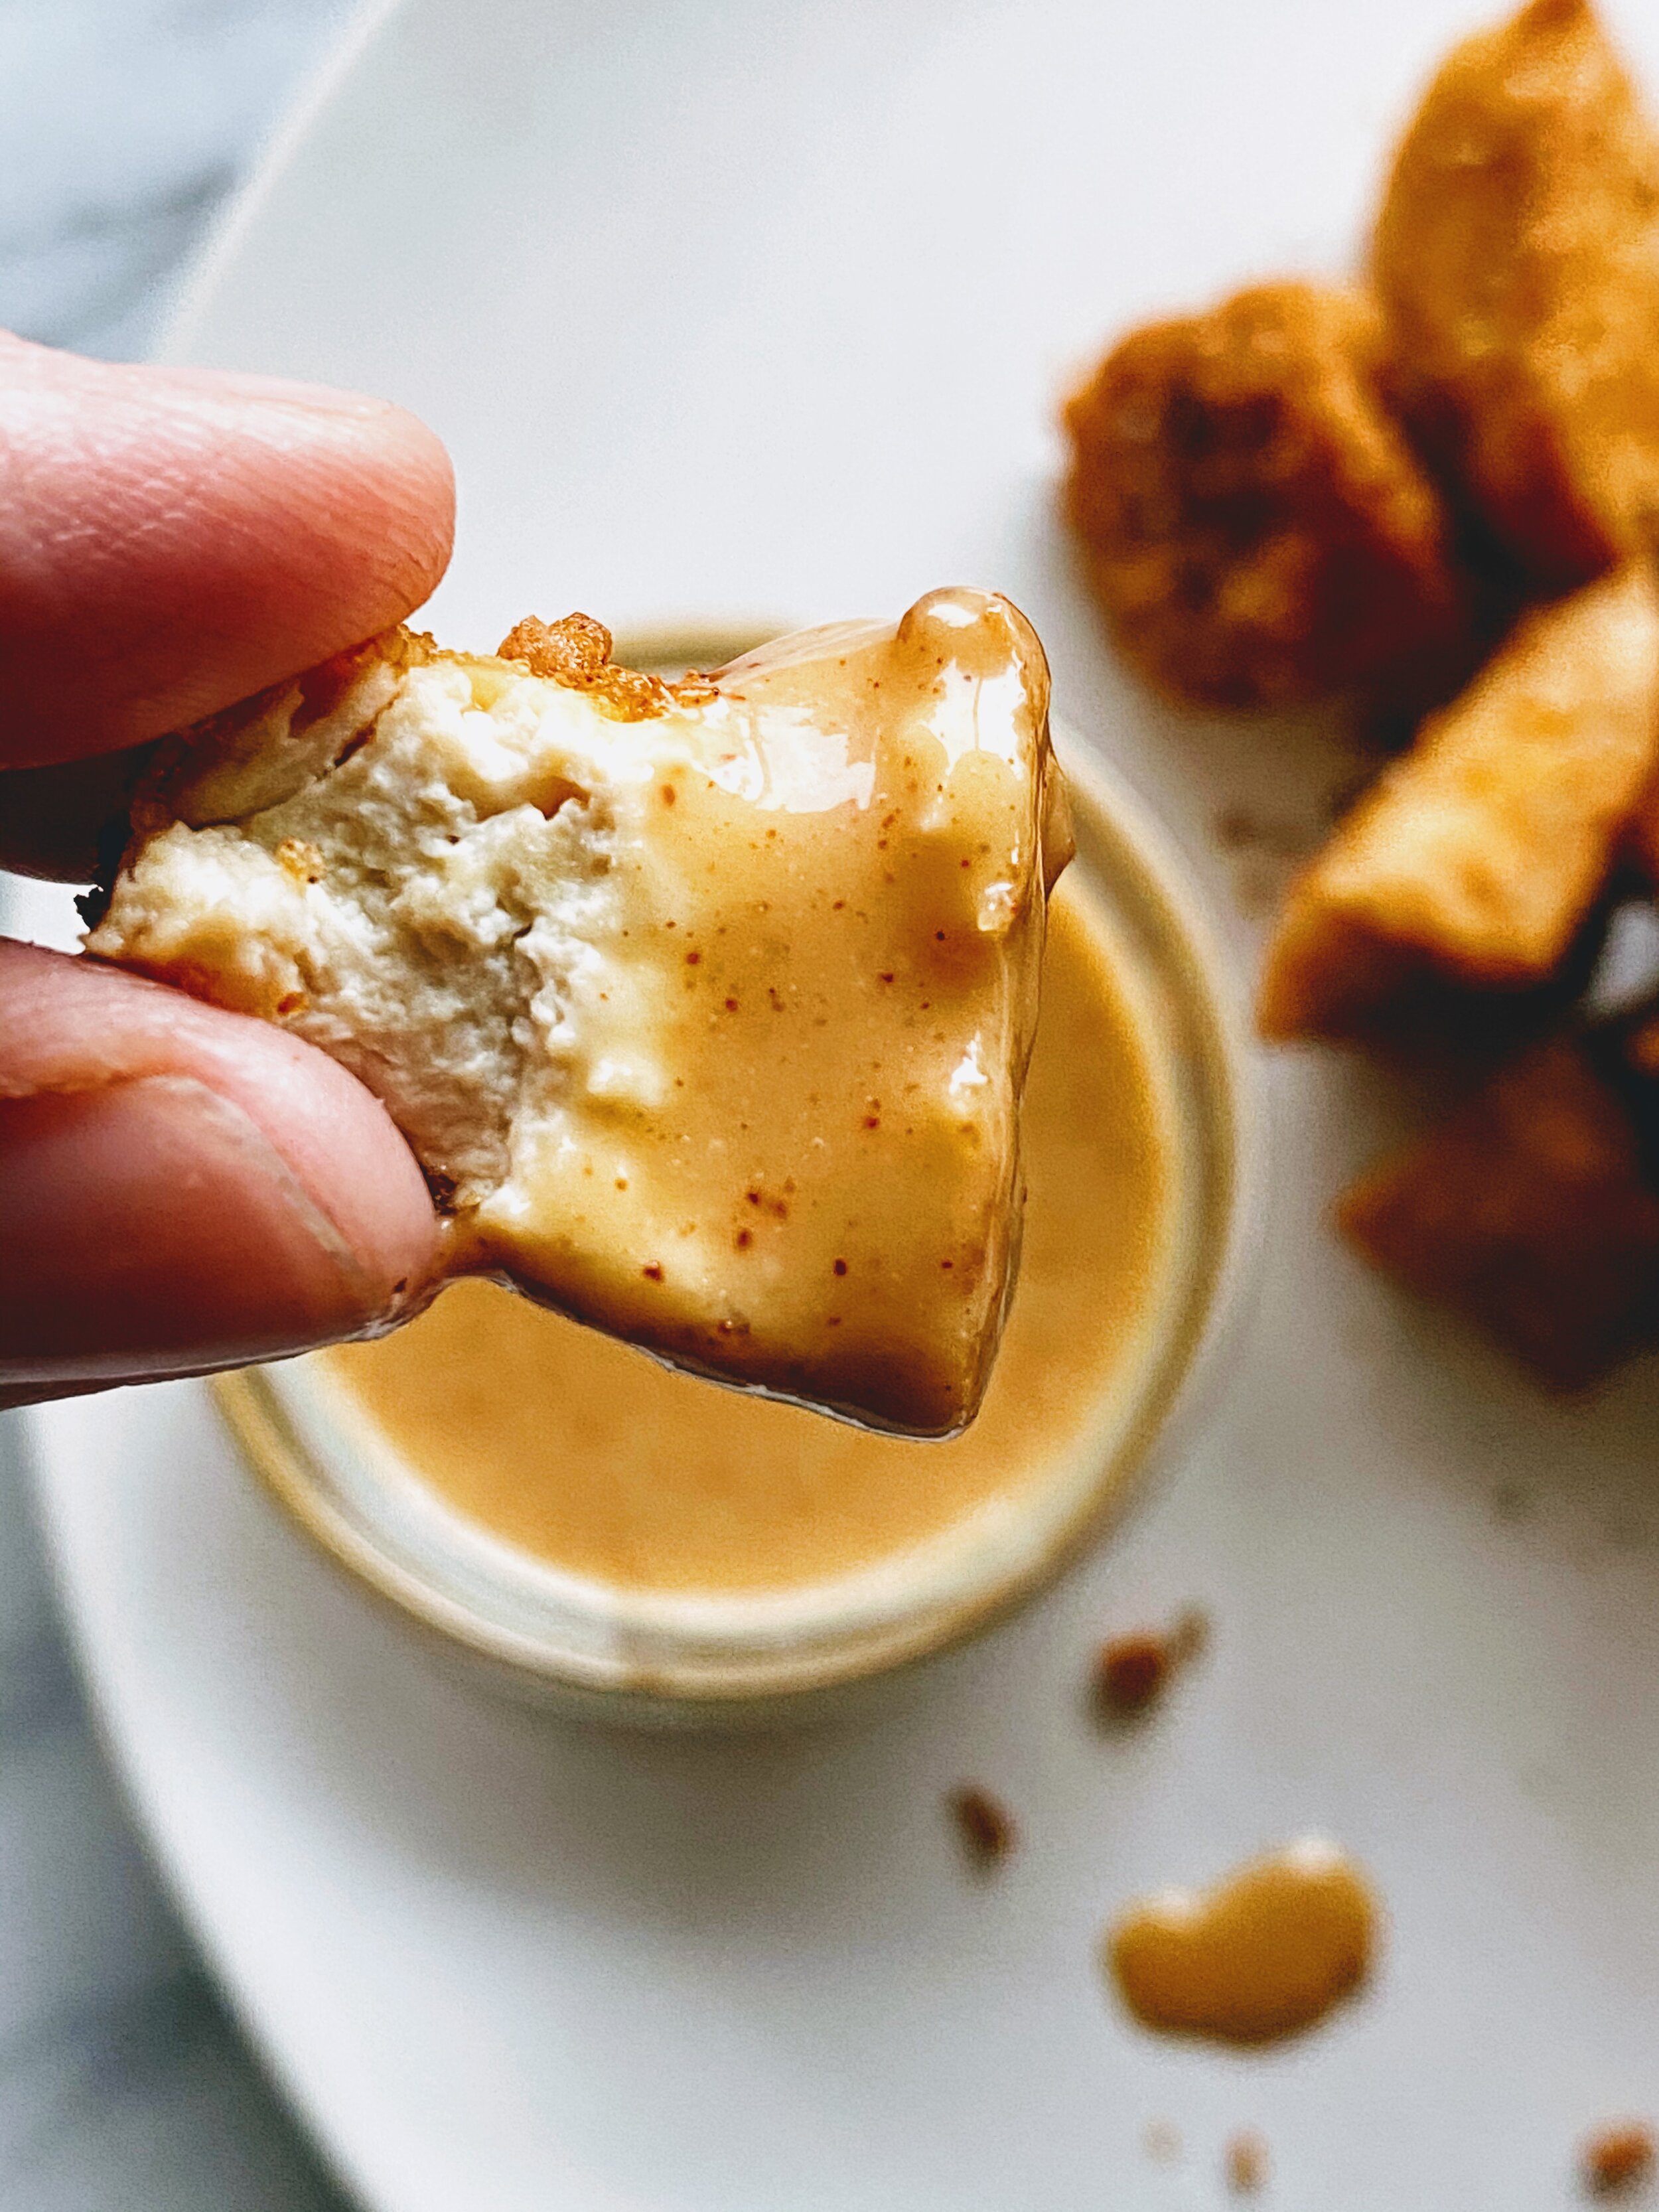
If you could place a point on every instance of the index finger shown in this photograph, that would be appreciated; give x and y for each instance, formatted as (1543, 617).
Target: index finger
(172, 540)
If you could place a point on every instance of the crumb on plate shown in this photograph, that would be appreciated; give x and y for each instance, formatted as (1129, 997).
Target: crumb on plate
(1618, 2157)
(1246, 2163)
(1133, 1670)
(984, 1825)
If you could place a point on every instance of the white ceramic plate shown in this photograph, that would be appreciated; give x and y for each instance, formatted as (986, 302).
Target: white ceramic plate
(731, 308)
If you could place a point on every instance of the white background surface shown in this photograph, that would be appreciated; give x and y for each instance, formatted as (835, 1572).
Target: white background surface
(745, 309)
(124, 2087)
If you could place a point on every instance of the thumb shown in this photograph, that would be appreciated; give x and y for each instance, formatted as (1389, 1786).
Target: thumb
(185, 1189)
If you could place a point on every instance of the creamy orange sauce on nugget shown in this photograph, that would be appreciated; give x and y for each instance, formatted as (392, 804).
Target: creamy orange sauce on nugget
(592, 1457)
(826, 972)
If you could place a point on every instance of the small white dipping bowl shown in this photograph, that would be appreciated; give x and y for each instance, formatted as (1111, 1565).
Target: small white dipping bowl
(676, 1658)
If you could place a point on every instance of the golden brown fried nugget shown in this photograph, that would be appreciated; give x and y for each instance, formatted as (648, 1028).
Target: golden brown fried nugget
(1531, 1212)
(1517, 259)
(1476, 858)
(1257, 528)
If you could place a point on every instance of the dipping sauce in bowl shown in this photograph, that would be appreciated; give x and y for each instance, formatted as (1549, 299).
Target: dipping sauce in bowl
(595, 1523)
(582, 1452)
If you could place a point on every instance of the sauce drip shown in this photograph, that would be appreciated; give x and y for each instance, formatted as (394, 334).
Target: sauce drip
(1263, 1954)
(587, 1455)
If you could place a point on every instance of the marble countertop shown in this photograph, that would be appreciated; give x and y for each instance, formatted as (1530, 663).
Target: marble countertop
(124, 2087)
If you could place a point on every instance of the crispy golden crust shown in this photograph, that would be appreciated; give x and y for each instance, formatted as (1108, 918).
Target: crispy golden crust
(235, 736)
(1530, 1211)
(347, 692)
(222, 767)
(1257, 528)
(1517, 259)
(576, 653)
(1477, 858)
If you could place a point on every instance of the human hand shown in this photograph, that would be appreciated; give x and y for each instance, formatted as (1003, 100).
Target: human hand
(182, 1188)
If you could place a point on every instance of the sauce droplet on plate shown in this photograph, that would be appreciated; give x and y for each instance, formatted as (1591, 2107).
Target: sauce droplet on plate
(1265, 1952)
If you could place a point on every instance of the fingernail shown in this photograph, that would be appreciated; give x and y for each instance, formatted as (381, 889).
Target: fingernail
(278, 391)
(152, 1229)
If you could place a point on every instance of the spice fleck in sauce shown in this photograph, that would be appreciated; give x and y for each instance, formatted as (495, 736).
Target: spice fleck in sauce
(1264, 1953)
(589, 1456)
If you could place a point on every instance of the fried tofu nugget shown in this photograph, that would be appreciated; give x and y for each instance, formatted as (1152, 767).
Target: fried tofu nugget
(1257, 530)
(623, 958)
(1531, 1212)
(1517, 257)
(1476, 858)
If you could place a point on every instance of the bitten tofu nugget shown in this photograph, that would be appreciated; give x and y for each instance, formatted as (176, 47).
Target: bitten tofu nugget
(1517, 259)
(706, 1005)
(1475, 859)
(1531, 1212)
(1257, 528)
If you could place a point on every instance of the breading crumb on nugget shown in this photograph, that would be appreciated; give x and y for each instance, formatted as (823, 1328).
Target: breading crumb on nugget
(1530, 1211)
(1517, 259)
(1256, 527)
(1476, 859)
(705, 1006)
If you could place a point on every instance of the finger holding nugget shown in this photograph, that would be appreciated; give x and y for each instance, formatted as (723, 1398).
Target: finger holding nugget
(185, 1189)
